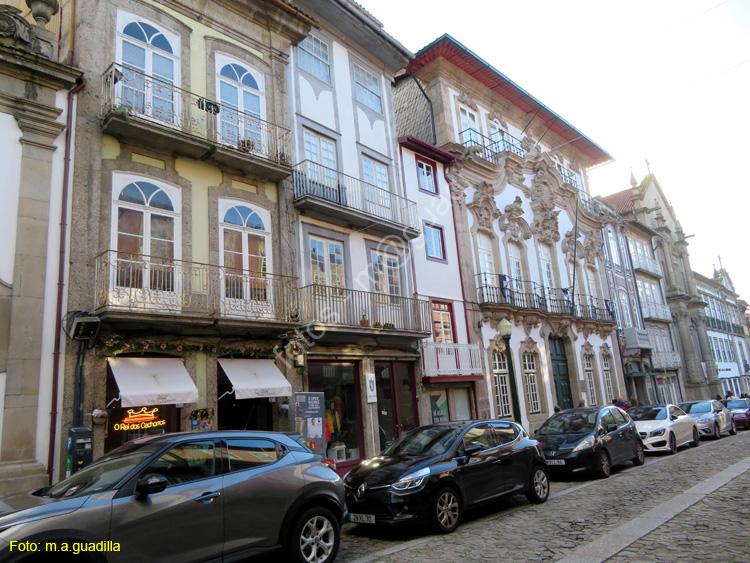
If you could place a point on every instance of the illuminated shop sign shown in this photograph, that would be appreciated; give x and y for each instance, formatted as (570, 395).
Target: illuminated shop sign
(140, 420)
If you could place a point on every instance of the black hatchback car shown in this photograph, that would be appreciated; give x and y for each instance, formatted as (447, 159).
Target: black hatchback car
(432, 473)
(590, 439)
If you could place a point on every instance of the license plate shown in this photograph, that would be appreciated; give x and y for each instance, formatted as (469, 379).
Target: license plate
(362, 518)
(555, 462)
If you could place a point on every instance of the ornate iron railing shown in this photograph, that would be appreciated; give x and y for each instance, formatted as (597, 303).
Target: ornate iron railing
(327, 305)
(568, 176)
(439, 359)
(149, 284)
(131, 92)
(504, 290)
(320, 182)
(491, 149)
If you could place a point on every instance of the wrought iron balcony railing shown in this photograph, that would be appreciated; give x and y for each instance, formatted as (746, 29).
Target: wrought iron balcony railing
(154, 285)
(568, 176)
(653, 310)
(322, 183)
(646, 264)
(439, 359)
(503, 290)
(133, 93)
(491, 149)
(338, 306)
(665, 360)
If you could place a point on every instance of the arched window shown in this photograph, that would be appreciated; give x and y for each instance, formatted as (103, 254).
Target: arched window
(607, 376)
(516, 267)
(486, 259)
(588, 368)
(145, 233)
(149, 62)
(245, 251)
(547, 274)
(240, 92)
(502, 385)
(530, 380)
(627, 318)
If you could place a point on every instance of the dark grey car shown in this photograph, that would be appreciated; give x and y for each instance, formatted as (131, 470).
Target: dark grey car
(185, 497)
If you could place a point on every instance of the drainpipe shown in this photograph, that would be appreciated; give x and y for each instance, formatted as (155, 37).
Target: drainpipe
(61, 279)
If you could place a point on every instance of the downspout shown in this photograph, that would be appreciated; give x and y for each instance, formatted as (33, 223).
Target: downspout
(61, 278)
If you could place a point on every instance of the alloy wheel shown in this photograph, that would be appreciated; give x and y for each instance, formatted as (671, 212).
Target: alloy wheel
(605, 467)
(672, 444)
(317, 539)
(717, 431)
(447, 510)
(733, 429)
(696, 438)
(541, 483)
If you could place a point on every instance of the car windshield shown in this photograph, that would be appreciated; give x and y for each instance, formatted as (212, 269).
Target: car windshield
(648, 413)
(738, 404)
(695, 408)
(569, 423)
(105, 472)
(427, 441)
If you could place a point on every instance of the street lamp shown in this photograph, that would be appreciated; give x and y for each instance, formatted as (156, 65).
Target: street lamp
(505, 328)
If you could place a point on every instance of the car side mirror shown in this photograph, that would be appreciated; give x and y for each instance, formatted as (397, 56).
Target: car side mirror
(472, 450)
(611, 427)
(601, 431)
(673, 417)
(150, 484)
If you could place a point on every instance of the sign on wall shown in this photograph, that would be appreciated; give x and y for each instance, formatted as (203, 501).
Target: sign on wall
(439, 407)
(309, 420)
(372, 392)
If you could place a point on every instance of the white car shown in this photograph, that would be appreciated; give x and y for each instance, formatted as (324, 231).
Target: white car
(664, 428)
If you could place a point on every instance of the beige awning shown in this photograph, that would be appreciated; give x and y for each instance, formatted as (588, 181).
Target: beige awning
(256, 378)
(153, 381)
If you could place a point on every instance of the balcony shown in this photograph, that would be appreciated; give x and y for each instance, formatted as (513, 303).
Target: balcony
(491, 150)
(495, 289)
(148, 112)
(138, 287)
(637, 338)
(656, 311)
(454, 362)
(665, 360)
(568, 176)
(348, 201)
(646, 264)
(351, 310)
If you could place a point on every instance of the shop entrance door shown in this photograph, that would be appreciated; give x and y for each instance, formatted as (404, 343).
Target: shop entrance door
(394, 382)
(560, 373)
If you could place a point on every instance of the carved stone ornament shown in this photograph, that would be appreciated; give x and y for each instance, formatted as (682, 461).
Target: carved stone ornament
(557, 328)
(43, 10)
(592, 248)
(12, 24)
(546, 226)
(484, 207)
(542, 188)
(568, 245)
(494, 116)
(529, 323)
(574, 166)
(587, 329)
(587, 348)
(528, 346)
(530, 148)
(605, 332)
(512, 224)
(498, 345)
(465, 99)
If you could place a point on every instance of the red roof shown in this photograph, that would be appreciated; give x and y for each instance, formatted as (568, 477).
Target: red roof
(621, 201)
(458, 55)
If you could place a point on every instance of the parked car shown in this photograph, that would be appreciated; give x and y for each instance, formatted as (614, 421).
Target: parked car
(433, 473)
(188, 497)
(590, 439)
(712, 417)
(740, 411)
(665, 427)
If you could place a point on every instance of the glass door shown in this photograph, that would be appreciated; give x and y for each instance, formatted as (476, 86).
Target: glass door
(394, 382)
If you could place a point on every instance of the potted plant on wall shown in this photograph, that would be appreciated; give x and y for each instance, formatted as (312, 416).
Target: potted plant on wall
(99, 416)
(364, 321)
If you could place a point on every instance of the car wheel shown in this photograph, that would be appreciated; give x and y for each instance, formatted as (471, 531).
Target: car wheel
(446, 510)
(604, 466)
(640, 454)
(315, 537)
(696, 438)
(539, 486)
(733, 429)
(717, 432)
(672, 444)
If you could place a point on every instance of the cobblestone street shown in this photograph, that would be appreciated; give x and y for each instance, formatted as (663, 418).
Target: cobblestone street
(693, 505)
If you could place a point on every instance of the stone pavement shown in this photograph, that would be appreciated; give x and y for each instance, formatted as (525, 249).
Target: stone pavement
(694, 505)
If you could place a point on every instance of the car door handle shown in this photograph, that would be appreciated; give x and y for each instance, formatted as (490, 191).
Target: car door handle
(505, 460)
(208, 497)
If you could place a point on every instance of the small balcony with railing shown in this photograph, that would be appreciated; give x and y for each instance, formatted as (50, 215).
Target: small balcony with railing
(451, 362)
(339, 309)
(646, 264)
(665, 360)
(655, 311)
(143, 288)
(500, 290)
(568, 176)
(146, 111)
(492, 149)
(338, 198)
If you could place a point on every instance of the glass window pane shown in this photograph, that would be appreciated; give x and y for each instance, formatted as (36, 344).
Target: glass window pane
(184, 463)
(463, 408)
(162, 227)
(162, 249)
(129, 221)
(232, 240)
(160, 200)
(129, 244)
(246, 454)
(229, 94)
(163, 68)
(134, 55)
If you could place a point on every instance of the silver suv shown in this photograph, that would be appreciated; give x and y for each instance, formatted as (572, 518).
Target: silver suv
(184, 497)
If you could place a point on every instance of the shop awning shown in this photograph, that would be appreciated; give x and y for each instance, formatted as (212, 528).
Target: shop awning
(252, 379)
(153, 381)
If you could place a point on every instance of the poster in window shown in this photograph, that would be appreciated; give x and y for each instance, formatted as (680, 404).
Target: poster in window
(309, 414)
(439, 407)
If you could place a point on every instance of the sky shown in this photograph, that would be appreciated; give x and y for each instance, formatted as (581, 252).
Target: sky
(666, 81)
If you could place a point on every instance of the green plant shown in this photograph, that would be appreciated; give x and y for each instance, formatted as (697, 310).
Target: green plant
(378, 325)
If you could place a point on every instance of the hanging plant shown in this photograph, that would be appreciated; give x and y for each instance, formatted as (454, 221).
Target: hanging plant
(115, 345)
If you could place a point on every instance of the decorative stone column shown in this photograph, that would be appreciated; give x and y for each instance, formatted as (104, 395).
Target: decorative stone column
(693, 367)
(699, 322)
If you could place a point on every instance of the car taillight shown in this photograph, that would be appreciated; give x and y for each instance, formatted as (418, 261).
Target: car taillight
(330, 463)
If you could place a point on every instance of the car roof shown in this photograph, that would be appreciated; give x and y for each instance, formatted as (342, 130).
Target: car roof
(214, 434)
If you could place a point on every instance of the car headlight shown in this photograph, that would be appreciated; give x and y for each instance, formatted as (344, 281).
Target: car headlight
(584, 444)
(658, 432)
(412, 480)
(705, 421)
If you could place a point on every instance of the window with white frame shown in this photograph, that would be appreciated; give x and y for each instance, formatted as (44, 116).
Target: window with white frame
(486, 259)
(366, 88)
(469, 126)
(426, 177)
(385, 273)
(433, 236)
(149, 57)
(502, 385)
(588, 368)
(497, 134)
(240, 92)
(377, 193)
(613, 253)
(321, 151)
(245, 251)
(545, 260)
(327, 262)
(530, 379)
(607, 375)
(627, 318)
(145, 233)
(314, 58)
(516, 267)
(592, 283)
